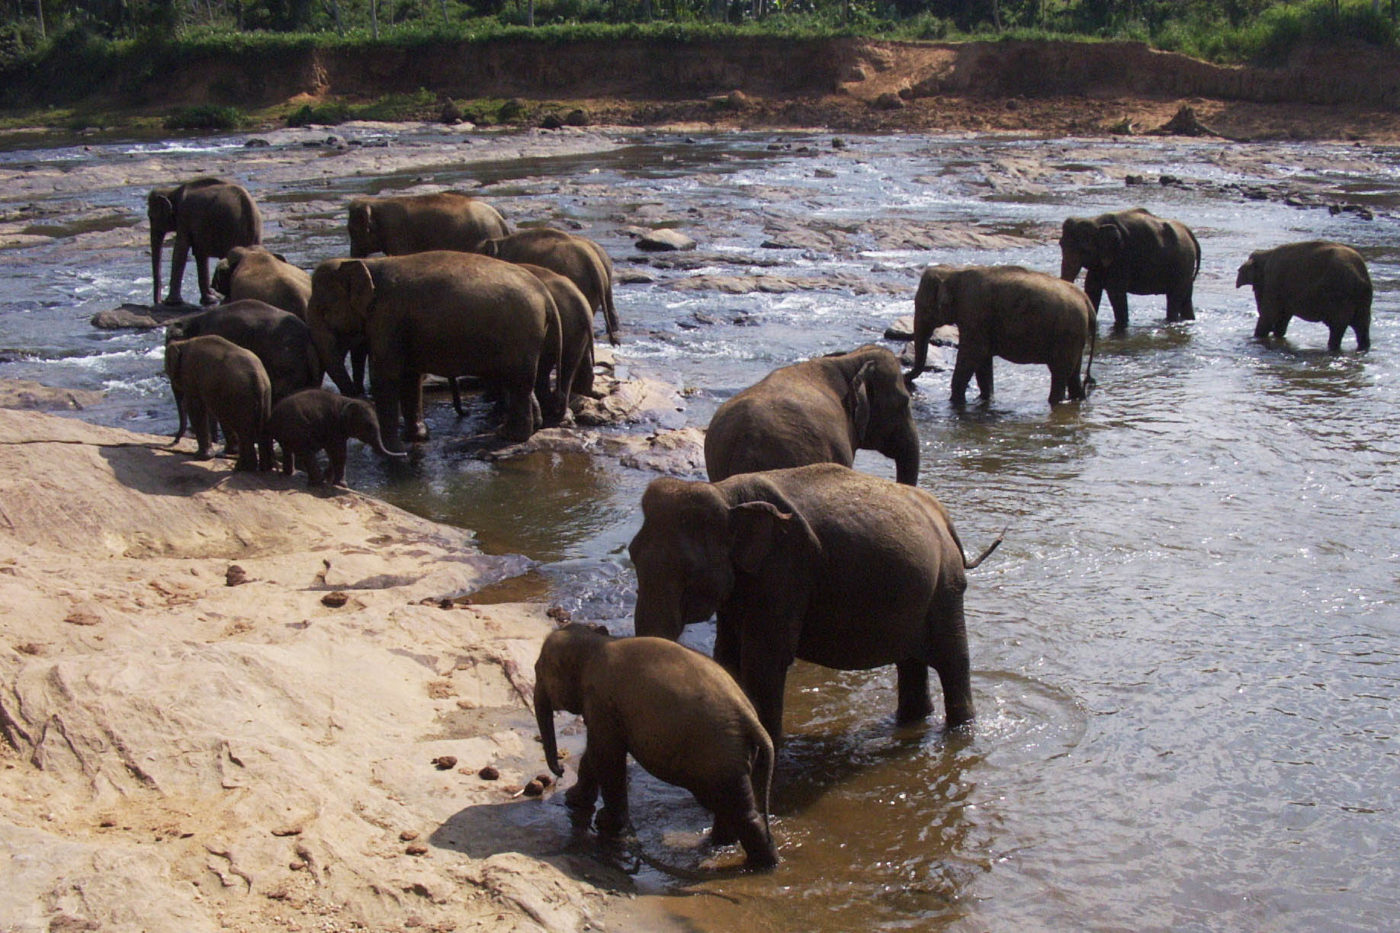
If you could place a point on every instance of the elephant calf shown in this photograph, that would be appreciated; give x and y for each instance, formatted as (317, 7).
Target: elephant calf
(1316, 281)
(313, 420)
(213, 378)
(681, 716)
(818, 411)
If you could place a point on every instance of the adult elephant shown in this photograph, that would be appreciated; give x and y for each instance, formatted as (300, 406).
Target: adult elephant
(1315, 280)
(818, 411)
(1132, 252)
(208, 216)
(1007, 311)
(279, 339)
(442, 312)
(417, 223)
(216, 380)
(821, 563)
(255, 272)
(577, 258)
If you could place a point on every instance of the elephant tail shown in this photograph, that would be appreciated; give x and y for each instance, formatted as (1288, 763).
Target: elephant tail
(1093, 343)
(972, 564)
(761, 776)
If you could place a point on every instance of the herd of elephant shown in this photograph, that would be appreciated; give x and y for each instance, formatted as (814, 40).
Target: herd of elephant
(783, 541)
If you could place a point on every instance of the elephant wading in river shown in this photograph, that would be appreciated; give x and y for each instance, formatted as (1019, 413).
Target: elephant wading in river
(1010, 312)
(280, 340)
(821, 563)
(1132, 252)
(215, 379)
(209, 216)
(314, 419)
(577, 258)
(442, 312)
(417, 223)
(818, 411)
(258, 273)
(681, 716)
(1315, 281)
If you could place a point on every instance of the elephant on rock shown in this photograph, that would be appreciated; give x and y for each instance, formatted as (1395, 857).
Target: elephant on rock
(442, 312)
(577, 258)
(213, 378)
(208, 216)
(280, 340)
(417, 223)
(1132, 252)
(818, 411)
(258, 273)
(821, 563)
(313, 420)
(1007, 311)
(1316, 281)
(682, 717)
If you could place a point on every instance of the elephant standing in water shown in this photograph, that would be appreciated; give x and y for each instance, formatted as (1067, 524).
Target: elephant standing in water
(1010, 312)
(817, 411)
(577, 258)
(280, 340)
(681, 716)
(209, 216)
(1315, 281)
(314, 419)
(417, 223)
(1132, 252)
(821, 563)
(260, 274)
(213, 378)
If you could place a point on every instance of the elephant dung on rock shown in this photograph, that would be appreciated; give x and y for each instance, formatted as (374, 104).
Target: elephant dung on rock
(213, 378)
(1316, 281)
(1006, 311)
(817, 411)
(260, 274)
(821, 563)
(676, 711)
(208, 216)
(313, 420)
(1132, 252)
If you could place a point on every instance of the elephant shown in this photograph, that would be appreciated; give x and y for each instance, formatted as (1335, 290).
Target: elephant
(1315, 281)
(279, 339)
(1136, 252)
(209, 216)
(820, 562)
(417, 223)
(442, 312)
(818, 411)
(1010, 312)
(577, 258)
(680, 714)
(213, 378)
(314, 419)
(255, 272)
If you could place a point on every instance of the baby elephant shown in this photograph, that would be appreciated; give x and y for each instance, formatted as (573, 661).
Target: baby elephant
(314, 419)
(216, 380)
(678, 712)
(1315, 281)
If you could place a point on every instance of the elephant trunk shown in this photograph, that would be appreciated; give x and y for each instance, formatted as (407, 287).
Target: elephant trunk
(331, 352)
(1069, 266)
(367, 432)
(157, 240)
(923, 333)
(544, 718)
(905, 453)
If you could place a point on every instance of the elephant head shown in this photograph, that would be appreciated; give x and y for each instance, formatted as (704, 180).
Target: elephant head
(342, 291)
(934, 307)
(878, 404)
(359, 421)
(564, 656)
(1085, 243)
(1248, 273)
(161, 212)
(693, 543)
(364, 232)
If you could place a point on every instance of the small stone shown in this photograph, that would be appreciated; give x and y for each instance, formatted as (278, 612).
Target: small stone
(445, 762)
(235, 575)
(488, 773)
(335, 600)
(297, 866)
(408, 835)
(417, 849)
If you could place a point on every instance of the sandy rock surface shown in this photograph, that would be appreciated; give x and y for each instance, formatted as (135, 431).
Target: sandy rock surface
(181, 754)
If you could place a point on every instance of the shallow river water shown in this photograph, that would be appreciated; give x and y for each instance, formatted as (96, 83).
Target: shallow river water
(1187, 652)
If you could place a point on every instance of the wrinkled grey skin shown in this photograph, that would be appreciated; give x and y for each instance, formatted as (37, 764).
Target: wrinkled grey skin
(818, 411)
(417, 223)
(443, 312)
(577, 258)
(208, 216)
(279, 339)
(1314, 281)
(214, 379)
(1007, 311)
(1132, 252)
(821, 563)
(313, 420)
(257, 273)
(676, 711)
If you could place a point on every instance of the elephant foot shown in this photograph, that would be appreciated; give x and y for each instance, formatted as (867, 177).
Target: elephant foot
(515, 435)
(611, 822)
(173, 301)
(416, 434)
(722, 834)
(207, 300)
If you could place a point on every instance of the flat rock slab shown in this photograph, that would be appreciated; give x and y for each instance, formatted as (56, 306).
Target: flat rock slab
(142, 317)
(664, 240)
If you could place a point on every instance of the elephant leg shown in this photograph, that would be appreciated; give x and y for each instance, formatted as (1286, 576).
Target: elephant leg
(1335, 332)
(1074, 383)
(727, 645)
(336, 451)
(247, 460)
(737, 819)
(1361, 327)
(1057, 387)
(288, 461)
(963, 369)
(1263, 327)
(763, 674)
(914, 702)
(584, 794)
(522, 412)
(948, 656)
(201, 271)
(1179, 307)
(610, 766)
(267, 461)
(199, 421)
(1281, 325)
(415, 429)
(583, 379)
(179, 255)
(1119, 301)
(1093, 287)
(314, 475)
(984, 379)
(358, 356)
(457, 397)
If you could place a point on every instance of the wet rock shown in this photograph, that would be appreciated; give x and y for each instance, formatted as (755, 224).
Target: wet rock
(141, 317)
(551, 121)
(257, 142)
(665, 240)
(578, 117)
(32, 396)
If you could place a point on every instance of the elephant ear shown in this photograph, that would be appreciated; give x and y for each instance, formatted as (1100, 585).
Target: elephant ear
(355, 278)
(857, 400)
(1247, 271)
(1108, 241)
(754, 530)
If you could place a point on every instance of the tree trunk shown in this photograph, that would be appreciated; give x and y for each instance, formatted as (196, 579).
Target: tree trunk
(374, 17)
(39, 10)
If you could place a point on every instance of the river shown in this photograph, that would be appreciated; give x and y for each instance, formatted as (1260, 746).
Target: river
(1187, 653)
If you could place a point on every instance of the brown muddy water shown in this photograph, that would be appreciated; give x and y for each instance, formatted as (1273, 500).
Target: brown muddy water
(1186, 654)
